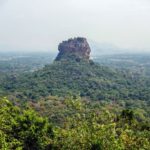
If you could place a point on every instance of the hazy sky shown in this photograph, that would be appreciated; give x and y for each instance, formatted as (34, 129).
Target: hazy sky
(42, 24)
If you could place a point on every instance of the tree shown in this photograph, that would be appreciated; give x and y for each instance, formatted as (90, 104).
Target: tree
(23, 129)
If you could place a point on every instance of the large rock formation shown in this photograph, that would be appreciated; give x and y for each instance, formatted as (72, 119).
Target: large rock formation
(74, 49)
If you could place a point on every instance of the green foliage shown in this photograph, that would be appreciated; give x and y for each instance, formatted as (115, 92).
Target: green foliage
(99, 130)
(22, 129)
(85, 127)
(78, 78)
(120, 120)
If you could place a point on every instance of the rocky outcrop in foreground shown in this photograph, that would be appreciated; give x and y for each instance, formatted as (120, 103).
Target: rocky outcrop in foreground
(74, 49)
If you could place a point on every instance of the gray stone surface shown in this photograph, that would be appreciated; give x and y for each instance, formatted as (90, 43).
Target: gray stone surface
(76, 49)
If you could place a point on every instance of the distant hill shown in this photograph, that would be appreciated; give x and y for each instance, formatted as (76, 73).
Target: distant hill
(75, 74)
(99, 49)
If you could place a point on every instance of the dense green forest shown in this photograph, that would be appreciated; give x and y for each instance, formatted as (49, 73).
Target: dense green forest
(138, 63)
(97, 105)
(83, 126)
(15, 62)
(84, 79)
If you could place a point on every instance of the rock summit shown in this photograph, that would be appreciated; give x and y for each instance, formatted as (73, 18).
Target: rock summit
(74, 49)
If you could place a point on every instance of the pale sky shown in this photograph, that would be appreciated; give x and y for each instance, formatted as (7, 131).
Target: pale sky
(40, 25)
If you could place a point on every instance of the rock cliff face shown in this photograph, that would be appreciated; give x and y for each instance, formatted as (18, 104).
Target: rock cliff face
(74, 49)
